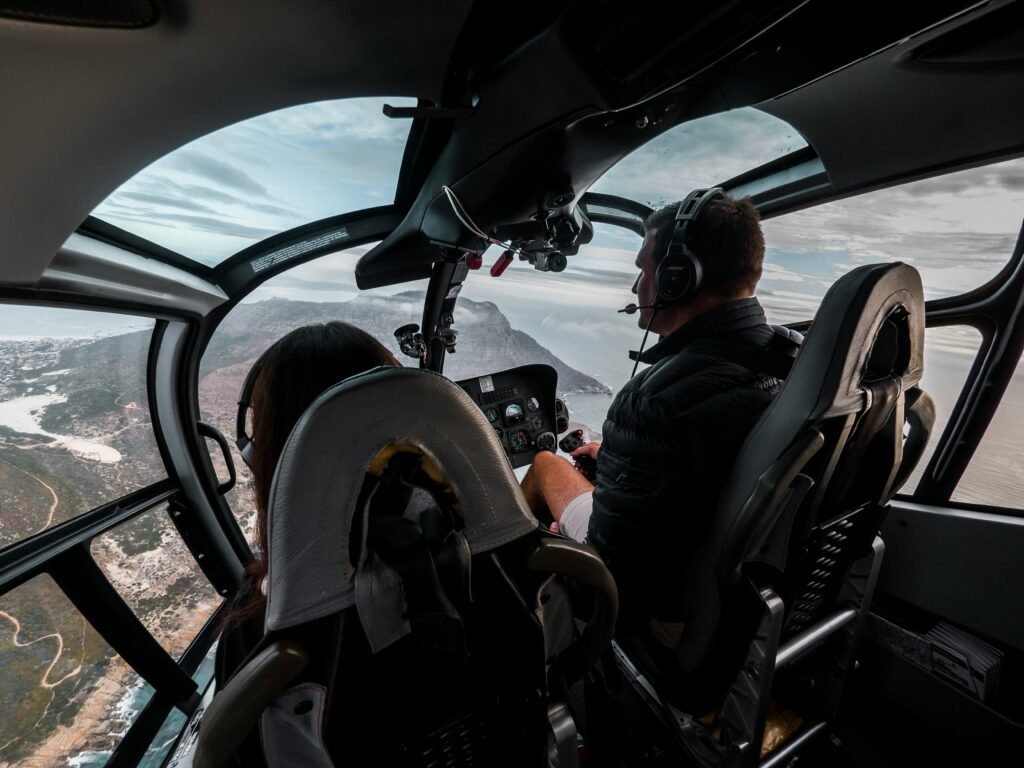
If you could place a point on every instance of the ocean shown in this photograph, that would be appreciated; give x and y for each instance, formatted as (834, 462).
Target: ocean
(128, 709)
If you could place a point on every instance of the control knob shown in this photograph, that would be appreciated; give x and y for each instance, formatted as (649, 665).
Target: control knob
(546, 442)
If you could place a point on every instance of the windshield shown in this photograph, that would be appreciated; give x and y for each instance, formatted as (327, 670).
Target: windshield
(318, 291)
(700, 153)
(238, 185)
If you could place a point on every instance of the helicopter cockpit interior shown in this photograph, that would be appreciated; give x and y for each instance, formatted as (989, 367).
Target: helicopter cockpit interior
(184, 183)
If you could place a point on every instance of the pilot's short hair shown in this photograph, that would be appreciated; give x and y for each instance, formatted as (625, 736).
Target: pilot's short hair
(726, 236)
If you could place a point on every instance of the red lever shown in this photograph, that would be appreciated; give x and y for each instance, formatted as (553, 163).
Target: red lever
(474, 260)
(499, 266)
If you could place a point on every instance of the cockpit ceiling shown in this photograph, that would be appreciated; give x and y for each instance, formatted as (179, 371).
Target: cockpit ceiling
(949, 97)
(88, 108)
(84, 109)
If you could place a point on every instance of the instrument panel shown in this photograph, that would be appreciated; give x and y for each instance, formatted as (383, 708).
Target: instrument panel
(521, 408)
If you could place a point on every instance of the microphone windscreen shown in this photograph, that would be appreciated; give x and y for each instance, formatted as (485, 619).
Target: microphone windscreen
(629, 309)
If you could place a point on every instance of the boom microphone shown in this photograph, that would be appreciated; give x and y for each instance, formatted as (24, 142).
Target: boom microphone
(631, 309)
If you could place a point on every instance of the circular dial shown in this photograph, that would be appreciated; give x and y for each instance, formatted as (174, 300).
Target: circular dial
(519, 440)
(514, 414)
(546, 442)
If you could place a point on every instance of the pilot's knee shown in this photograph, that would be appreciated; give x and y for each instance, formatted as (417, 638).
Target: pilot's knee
(546, 462)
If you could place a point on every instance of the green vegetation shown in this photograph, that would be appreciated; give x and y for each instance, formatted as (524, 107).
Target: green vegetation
(141, 535)
(32, 709)
(82, 406)
(24, 499)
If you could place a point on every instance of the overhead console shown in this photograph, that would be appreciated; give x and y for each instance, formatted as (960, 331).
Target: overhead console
(521, 408)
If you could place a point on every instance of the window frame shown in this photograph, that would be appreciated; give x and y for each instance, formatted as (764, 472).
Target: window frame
(62, 553)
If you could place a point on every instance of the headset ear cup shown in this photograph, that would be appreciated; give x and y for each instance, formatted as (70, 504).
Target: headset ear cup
(245, 450)
(678, 278)
(242, 439)
(680, 274)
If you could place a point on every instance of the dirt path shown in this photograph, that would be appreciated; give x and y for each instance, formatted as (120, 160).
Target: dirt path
(45, 681)
(53, 493)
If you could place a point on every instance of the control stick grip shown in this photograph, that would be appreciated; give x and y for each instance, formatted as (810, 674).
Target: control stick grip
(585, 464)
(571, 441)
(587, 467)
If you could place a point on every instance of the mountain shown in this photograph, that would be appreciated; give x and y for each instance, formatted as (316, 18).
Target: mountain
(486, 342)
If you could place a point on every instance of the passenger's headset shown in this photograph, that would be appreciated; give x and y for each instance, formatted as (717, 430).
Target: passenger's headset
(242, 438)
(680, 273)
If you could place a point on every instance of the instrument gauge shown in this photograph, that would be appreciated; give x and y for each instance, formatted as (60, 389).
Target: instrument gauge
(514, 414)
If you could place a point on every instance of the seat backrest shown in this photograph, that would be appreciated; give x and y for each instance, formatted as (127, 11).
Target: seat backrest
(805, 496)
(406, 570)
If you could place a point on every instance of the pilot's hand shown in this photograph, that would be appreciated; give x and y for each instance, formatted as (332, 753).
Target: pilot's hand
(586, 460)
(587, 449)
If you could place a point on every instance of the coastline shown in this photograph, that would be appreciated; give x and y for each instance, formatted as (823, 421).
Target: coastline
(93, 729)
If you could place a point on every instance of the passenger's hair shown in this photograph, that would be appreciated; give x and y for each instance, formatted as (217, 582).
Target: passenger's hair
(296, 370)
(726, 236)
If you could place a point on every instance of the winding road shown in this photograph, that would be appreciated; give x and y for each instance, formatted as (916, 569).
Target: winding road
(53, 493)
(45, 681)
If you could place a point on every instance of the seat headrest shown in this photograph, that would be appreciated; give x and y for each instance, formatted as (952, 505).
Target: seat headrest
(313, 499)
(870, 325)
(853, 335)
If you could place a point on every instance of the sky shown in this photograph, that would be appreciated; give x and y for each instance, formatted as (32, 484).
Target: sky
(235, 186)
(229, 189)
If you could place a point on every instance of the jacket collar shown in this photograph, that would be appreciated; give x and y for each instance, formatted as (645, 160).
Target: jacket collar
(725, 319)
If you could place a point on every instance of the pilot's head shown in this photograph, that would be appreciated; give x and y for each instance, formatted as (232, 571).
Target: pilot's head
(726, 237)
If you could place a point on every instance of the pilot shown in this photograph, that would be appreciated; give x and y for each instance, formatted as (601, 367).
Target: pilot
(674, 430)
(289, 376)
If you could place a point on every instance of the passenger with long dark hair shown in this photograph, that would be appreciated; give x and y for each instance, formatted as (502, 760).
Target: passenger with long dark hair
(296, 370)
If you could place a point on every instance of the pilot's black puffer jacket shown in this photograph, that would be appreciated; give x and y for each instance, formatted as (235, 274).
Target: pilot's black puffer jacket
(670, 439)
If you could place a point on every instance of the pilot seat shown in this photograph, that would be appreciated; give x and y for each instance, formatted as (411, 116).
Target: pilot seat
(412, 614)
(776, 598)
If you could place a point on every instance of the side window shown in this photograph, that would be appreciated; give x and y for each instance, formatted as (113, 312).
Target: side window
(75, 429)
(66, 695)
(949, 353)
(958, 230)
(995, 476)
(316, 292)
(147, 563)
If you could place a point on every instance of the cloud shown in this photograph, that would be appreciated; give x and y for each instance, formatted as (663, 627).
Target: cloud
(354, 121)
(219, 172)
(174, 193)
(263, 176)
(174, 202)
(1009, 178)
(215, 226)
(699, 154)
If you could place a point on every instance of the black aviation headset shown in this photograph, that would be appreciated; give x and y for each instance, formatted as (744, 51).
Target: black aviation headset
(242, 438)
(680, 273)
